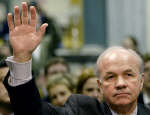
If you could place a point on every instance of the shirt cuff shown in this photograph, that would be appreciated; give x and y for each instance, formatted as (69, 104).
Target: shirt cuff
(20, 73)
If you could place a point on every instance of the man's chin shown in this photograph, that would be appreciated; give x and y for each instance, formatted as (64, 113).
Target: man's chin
(119, 102)
(122, 102)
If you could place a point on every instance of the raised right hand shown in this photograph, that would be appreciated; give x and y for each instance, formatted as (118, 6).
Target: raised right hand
(23, 35)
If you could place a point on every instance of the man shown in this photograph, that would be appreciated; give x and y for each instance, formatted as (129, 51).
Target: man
(120, 74)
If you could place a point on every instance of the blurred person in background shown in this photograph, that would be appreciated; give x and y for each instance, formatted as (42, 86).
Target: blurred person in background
(41, 84)
(145, 95)
(53, 66)
(5, 107)
(60, 87)
(87, 84)
(56, 65)
(4, 31)
(130, 42)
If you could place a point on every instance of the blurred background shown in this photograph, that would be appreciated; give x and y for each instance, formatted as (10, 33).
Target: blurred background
(79, 30)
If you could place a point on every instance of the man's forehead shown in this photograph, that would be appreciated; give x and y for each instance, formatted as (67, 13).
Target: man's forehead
(118, 58)
(116, 55)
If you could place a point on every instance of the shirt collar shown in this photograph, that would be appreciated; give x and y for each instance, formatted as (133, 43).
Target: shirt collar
(134, 112)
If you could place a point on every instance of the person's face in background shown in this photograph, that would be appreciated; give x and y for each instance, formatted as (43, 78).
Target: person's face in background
(3, 92)
(57, 68)
(90, 88)
(59, 94)
(121, 81)
(147, 75)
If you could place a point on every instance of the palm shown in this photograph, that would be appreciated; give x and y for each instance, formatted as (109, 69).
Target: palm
(23, 36)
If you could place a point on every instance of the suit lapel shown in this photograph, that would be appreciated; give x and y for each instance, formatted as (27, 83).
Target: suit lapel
(106, 109)
(143, 110)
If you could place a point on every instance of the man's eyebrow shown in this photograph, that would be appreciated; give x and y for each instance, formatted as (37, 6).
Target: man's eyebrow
(128, 70)
(109, 72)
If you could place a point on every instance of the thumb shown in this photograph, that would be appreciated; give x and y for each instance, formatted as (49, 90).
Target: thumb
(42, 29)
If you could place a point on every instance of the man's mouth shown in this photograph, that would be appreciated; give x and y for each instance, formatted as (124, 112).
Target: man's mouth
(121, 94)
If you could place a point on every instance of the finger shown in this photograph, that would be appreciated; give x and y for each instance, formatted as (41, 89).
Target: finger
(33, 17)
(17, 16)
(24, 13)
(42, 30)
(10, 22)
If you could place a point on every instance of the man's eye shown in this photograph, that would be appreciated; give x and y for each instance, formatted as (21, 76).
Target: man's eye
(129, 74)
(110, 77)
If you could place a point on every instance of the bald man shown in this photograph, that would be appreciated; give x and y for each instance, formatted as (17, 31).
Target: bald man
(120, 76)
(121, 79)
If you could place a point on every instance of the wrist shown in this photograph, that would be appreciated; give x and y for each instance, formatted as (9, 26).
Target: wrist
(23, 57)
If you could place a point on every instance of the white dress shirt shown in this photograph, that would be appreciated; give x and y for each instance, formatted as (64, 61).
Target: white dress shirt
(20, 73)
(134, 112)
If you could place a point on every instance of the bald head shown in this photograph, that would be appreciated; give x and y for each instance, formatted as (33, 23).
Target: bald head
(115, 54)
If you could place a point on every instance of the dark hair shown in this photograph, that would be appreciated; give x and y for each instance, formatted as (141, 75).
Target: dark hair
(135, 43)
(133, 39)
(146, 57)
(56, 60)
(83, 77)
(3, 64)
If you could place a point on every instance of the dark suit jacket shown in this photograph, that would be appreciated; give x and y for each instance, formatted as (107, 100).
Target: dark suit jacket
(140, 98)
(25, 100)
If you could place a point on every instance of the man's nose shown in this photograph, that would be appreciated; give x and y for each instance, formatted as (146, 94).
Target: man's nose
(120, 83)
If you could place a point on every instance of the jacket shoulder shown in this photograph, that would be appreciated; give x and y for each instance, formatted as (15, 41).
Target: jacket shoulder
(82, 104)
(82, 100)
(143, 110)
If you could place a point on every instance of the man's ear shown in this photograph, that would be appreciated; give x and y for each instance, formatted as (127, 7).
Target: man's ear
(99, 84)
(101, 96)
(142, 81)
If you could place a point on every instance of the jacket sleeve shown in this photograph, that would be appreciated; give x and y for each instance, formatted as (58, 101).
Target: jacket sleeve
(25, 99)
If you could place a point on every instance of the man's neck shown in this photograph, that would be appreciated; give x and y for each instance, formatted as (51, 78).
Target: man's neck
(124, 109)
